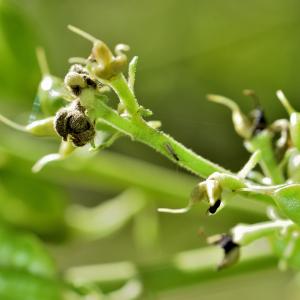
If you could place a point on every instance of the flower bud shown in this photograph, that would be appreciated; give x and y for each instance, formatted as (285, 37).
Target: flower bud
(108, 65)
(103, 63)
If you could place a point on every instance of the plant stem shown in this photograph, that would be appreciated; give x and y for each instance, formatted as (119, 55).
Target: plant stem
(116, 172)
(246, 234)
(125, 94)
(263, 142)
(161, 142)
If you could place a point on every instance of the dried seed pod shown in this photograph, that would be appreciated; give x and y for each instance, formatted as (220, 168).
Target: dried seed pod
(74, 123)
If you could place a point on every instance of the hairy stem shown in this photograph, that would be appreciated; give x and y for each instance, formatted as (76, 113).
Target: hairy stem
(112, 171)
(139, 130)
(125, 94)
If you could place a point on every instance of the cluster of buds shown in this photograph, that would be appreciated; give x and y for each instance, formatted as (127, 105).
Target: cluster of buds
(58, 110)
(101, 62)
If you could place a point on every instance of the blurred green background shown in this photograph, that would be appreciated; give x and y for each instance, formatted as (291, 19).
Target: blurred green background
(186, 49)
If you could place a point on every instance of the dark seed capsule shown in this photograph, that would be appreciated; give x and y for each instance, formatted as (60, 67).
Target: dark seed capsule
(60, 123)
(72, 121)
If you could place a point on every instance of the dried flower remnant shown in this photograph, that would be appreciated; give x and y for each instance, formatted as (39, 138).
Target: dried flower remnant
(231, 249)
(257, 115)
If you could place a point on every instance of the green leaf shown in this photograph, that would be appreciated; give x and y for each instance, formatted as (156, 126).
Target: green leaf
(17, 52)
(280, 244)
(23, 251)
(31, 202)
(20, 285)
(49, 98)
(288, 200)
(27, 272)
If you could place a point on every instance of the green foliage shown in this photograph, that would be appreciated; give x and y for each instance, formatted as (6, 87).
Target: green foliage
(288, 200)
(26, 269)
(23, 251)
(19, 285)
(280, 246)
(41, 211)
(17, 48)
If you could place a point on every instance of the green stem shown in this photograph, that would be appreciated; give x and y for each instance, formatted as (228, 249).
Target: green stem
(268, 163)
(138, 130)
(112, 171)
(246, 234)
(161, 142)
(125, 94)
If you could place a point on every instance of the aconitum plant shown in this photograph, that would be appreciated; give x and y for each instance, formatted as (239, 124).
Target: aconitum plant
(78, 111)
